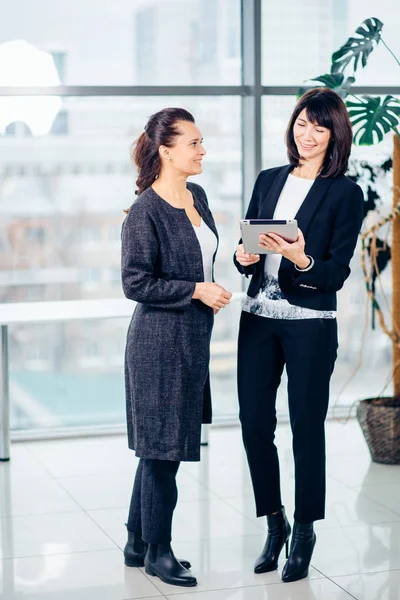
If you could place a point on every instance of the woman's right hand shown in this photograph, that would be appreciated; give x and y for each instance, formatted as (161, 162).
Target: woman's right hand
(245, 259)
(212, 294)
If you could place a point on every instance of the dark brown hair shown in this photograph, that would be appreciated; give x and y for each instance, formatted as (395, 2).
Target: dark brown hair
(326, 108)
(161, 129)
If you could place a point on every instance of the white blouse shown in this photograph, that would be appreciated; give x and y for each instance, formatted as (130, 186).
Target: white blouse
(208, 244)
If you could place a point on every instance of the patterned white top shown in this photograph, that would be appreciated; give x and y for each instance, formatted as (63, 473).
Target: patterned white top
(270, 301)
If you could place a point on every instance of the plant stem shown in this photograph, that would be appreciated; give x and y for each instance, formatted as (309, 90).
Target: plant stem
(355, 97)
(395, 267)
(387, 48)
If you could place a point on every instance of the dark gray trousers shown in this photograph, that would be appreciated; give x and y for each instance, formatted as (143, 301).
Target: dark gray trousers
(154, 497)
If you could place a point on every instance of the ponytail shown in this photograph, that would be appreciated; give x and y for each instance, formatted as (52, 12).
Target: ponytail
(160, 130)
(147, 159)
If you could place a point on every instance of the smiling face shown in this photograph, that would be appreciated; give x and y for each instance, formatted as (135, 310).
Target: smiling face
(311, 139)
(187, 153)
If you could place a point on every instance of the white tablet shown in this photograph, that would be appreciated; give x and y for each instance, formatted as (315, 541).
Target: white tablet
(252, 228)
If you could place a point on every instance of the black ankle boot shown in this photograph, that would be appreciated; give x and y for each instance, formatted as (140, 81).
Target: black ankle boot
(160, 561)
(135, 551)
(278, 535)
(301, 549)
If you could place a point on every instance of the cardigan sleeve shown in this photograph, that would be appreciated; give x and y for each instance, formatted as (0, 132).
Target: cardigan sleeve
(140, 251)
(252, 213)
(329, 275)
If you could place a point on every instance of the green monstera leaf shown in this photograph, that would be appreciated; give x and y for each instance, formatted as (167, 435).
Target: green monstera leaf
(333, 81)
(372, 117)
(369, 35)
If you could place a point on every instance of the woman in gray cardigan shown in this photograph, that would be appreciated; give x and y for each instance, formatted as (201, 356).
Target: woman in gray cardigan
(169, 242)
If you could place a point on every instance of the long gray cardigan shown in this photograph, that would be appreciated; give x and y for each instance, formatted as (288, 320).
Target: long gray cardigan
(168, 342)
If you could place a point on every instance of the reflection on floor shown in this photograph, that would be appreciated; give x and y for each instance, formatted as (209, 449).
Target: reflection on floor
(63, 505)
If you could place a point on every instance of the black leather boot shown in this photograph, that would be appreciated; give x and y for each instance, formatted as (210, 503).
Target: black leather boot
(301, 549)
(135, 551)
(278, 536)
(160, 561)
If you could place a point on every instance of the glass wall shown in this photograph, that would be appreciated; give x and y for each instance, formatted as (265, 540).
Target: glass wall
(299, 39)
(66, 176)
(132, 42)
(61, 210)
(63, 194)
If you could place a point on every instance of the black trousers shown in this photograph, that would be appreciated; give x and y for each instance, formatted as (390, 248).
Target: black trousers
(154, 497)
(308, 347)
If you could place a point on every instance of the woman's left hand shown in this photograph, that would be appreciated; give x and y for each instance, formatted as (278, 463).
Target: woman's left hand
(292, 251)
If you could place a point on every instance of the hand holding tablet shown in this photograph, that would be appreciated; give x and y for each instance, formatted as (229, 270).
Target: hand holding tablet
(245, 259)
(251, 230)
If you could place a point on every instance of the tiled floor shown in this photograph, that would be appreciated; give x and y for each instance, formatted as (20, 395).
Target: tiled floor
(63, 505)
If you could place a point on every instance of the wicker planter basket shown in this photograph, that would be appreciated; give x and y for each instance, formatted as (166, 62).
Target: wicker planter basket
(379, 419)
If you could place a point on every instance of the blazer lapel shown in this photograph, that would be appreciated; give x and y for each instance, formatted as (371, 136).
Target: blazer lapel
(309, 206)
(306, 211)
(269, 203)
(311, 202)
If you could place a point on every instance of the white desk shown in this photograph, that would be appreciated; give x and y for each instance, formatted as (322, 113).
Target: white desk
(47, 312)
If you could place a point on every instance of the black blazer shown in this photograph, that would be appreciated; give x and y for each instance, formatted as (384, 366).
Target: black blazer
(330, 219)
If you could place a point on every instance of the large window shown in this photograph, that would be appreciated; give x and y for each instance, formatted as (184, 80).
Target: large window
(132, 42)
(299, 38)
(66, 174)
(62, 197)
(62, 202)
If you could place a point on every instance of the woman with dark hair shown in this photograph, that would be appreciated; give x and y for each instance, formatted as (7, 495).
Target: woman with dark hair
(289, 319)
(169, 243)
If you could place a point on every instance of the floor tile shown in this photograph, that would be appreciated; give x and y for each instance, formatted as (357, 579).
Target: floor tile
(223, 467)
(358, 549)
(344, 506)
(372, 586)
(82, 576)
(94, 492)
(225, 563)
(385, 494)
(31, 496)
(319, 589)
(99, 491)
(38, 535)
(225, 449)
(202, 519)
(101, 456)
(225, 481)
(62, 552)
(345, 439)
(190, 489)
(22, 464)
(358, 470)
(112, 521)
(205, 519)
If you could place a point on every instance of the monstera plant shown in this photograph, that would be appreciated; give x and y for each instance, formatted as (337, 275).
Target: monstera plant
(372, 118)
